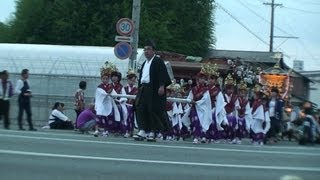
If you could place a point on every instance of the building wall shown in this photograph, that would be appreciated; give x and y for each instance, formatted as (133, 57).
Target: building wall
(298, 65)
(314, 76)
(315, 93)
(300, 87)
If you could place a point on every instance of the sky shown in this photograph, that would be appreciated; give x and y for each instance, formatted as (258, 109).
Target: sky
(7, 7)
(296, 18)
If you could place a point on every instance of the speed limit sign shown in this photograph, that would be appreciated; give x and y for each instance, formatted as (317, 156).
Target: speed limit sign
(125, 27)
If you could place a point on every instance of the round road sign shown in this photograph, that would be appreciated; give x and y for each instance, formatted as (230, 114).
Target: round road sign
(125, 27)
(123, 50)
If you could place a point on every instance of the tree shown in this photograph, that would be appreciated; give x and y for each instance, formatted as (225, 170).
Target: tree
(29, 26)
(183, 26)
(4, 33)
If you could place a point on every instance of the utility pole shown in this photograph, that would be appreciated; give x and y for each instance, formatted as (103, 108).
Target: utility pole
(273, 6)
(135, 37)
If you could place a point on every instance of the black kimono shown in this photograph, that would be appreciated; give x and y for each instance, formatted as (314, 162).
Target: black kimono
(149, 106)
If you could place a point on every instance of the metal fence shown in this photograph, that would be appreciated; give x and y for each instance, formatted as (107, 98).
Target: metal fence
(48, 89)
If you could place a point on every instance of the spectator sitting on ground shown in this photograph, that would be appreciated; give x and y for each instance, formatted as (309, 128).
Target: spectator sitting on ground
(58, 120)
(87, 120)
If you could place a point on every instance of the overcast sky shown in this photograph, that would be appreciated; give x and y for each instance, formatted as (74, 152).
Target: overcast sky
(298, 18)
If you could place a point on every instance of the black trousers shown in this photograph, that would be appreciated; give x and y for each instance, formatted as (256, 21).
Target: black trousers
(24, 105)
(148, 118)
(59, 124)
(4, 112)
(275, 127)
(78, 112)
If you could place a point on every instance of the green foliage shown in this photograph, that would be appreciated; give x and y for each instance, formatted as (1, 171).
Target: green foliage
(4, 33)
(28, 25)
(183, 26)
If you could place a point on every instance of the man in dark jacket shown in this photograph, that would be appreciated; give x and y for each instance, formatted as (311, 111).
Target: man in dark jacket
(151, 98)
(6, 92)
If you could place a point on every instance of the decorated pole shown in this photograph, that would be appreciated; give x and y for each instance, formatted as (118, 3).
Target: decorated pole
(170, 99)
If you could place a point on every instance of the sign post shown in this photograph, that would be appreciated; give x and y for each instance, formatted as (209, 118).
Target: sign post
(123, 39)
(136, 5)
(125, 28)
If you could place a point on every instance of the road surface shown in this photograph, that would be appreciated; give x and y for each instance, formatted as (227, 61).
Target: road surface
(60, 155)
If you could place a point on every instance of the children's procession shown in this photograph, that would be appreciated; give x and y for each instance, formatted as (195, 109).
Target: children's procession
(149, 105)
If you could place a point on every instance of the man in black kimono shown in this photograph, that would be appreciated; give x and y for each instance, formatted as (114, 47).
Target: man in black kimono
(151, 98)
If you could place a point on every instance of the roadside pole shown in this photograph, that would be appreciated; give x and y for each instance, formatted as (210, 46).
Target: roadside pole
(135, 36)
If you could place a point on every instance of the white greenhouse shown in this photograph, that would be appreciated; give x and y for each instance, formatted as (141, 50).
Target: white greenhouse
(60, 59)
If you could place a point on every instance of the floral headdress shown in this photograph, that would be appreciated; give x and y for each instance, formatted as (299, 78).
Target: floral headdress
(203, 72)
(175, 87)
(242, 85)
(213, 70)
(107, 69)
(229, 81)
(131, 73)
(257, 88)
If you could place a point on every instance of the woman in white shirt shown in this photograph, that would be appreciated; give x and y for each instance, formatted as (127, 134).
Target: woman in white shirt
(58, 120)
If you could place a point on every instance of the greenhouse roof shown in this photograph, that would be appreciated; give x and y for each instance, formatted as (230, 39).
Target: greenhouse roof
(60, 59)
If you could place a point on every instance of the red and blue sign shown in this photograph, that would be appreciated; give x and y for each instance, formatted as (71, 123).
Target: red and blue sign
(123, 50)
(125, 27)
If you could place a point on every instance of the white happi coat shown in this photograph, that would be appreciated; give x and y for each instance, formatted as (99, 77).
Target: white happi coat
(220, 112)
(104, 104)
(177, 112)
(203, 108)
(185, 117)
(267, 120)
(247, 115)
(258, 117)
(122, 101)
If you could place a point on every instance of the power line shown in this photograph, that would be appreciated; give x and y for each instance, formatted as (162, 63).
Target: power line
(261, 17)
(301, 10)
(259, 38)
(242, 24)
(264, 19)
(302, 44)
(306, 50)
(282, 43)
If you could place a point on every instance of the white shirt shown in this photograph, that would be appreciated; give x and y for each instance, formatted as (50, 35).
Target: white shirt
(5, 96)
(145, 77)
(19, 85)
(57, 114)
(272, 105)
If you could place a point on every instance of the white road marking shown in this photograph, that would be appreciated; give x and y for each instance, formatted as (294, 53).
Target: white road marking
(162, 146)
(64, 134)
(27, 153)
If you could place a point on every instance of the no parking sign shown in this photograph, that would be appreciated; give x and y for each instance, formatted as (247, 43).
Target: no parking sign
(123, 50)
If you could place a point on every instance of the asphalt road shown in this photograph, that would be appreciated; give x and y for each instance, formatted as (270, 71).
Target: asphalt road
(61, 155)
